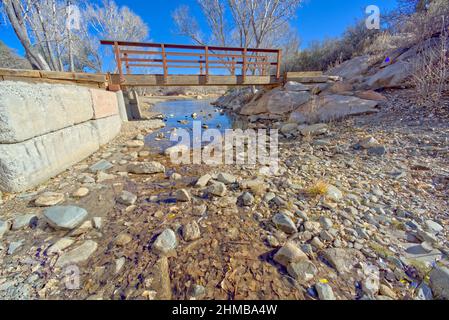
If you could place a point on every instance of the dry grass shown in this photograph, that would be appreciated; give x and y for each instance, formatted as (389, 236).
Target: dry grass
(320, 188)
(431, 75)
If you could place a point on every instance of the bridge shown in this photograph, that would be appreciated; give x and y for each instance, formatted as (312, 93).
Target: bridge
(153, 64)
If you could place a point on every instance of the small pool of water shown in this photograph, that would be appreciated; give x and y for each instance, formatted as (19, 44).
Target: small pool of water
(178, 114)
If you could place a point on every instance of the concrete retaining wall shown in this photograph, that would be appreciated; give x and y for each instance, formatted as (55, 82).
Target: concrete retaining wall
(45, 129)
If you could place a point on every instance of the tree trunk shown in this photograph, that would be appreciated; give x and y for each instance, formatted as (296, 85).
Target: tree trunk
(14, 16)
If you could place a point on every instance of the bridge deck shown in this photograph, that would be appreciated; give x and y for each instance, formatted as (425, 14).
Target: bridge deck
(147, 80)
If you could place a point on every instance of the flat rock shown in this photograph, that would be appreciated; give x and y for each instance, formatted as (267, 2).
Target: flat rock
(101, 165)
(78, 255)
(66, 218)
(295, 86)
(135, 144)
(343, 260)
(14, 246)
(81, 192)
(48, 199)
(24, 221)
(152, 167)
(60, 246)
(331, 108)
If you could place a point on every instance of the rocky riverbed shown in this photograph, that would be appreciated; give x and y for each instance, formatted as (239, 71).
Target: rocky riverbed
(358, 210)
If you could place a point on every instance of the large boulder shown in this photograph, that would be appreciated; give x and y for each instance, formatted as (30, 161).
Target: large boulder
(393, 75)
(332, 107)
(276, 101)
(352, 68)
(235, 99)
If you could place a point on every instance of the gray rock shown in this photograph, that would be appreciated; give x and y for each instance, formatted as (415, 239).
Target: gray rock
(377, 151)
(101, 165)
(325, 291)
(295, 86)
(4, 227)
(14, 246)
(24, 221)
(343, 260)
(302, 270)
(182, 195)
(203, 181)
(191, 231)
(424, 292)
(66, 218)
(289, 253)
(333, 193)
(433, 227)
(197, 291)
(48, 199)
(247, 199)
(165, 242)
(439, 282)
(284, 223)
(330, 108)
(146, 168)
(60, 245)
(314, 130)
(326, 223)
(78, 255)
(217, 189)
(289, 128)
(226, 178)
(127, 198)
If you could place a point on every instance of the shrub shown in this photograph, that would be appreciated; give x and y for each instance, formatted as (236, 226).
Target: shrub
(431, 76)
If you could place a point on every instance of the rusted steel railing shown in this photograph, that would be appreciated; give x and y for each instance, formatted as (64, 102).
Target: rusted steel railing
(250, 61)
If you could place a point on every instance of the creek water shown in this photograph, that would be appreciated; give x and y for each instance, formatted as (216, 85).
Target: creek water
(178, 115)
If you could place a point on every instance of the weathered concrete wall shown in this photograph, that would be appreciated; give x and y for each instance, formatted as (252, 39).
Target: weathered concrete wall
(29, 110)
(44, 129)
(31, 162)
(107, 128)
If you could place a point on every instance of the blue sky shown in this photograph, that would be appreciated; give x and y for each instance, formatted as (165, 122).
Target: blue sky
(316, 19)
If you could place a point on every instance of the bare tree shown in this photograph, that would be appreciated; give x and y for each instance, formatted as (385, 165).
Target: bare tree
(52, 43)
(254, 23)
(18, 13)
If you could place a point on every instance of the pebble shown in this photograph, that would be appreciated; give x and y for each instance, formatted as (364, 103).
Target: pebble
(14, 246)
(127, 198)
(325, 291)
(247, 199)
(284, 223)
(98, 222)
(135, 144)
(217, 189)
(4, 227)
(24, 221)
(333, 193)
(48, 199)
(123, 239)
(203, 181)
(78, 255)
(119, 263)
(102, 165)
(183, 195)
(226, 178)
(326, 223)
(433, 227)
(60, 245)
(191, 231)
(81, 192)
